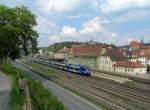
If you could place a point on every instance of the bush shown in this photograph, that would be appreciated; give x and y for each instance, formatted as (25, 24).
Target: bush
(8, 69)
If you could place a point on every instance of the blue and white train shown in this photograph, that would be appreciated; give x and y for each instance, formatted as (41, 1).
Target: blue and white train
(76, 68)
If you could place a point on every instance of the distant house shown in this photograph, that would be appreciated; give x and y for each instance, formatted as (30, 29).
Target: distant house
(146, 53)
(134, 45)
(108, 58)
(40, 51)
(62, 53)
(142, 56)
(129, 67)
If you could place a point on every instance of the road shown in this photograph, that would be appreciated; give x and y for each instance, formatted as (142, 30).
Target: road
(70, 100)
(5, 88)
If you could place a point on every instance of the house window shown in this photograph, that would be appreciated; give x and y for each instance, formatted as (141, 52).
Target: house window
(132, 69)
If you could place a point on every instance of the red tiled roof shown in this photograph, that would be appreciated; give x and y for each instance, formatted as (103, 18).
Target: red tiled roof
(142, 53)
(116, 54)
(128, 64)
(86, 50)
(146, 52)
(134, 44)
(146, 47)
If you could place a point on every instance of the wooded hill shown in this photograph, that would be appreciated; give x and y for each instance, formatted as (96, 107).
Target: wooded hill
(56, 46)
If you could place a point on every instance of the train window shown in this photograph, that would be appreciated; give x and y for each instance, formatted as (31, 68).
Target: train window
(77, 69)
(69, 67)
(82, 69)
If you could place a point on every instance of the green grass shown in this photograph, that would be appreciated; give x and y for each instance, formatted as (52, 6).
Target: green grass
(42, 99)
(45, 70)
(16, 101)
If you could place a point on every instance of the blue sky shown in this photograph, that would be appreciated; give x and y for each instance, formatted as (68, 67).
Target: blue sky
(110, 21)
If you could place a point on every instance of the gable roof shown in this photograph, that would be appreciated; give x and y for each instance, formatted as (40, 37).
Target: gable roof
(115, 54)
(142, 53)
(86, 50)
(127, 64)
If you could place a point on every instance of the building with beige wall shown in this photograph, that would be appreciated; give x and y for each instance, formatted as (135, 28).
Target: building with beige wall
(127, 67)
(62, 54)
(85, 54)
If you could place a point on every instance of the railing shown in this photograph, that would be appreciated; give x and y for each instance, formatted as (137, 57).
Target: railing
(28, 103)
(23, 85)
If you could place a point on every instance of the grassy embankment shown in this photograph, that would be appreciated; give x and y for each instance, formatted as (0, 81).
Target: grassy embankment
(51, 71)
(41, 98)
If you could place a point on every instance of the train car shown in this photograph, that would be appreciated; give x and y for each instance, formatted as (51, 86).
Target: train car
(79, 69)
(57, 65)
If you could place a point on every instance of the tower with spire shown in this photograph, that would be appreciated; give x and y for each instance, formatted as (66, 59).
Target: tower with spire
(142, 43)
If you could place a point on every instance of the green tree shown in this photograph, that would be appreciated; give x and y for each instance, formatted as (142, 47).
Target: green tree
(17, 32)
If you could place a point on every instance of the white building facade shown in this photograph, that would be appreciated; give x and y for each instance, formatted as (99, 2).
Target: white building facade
(113, 61)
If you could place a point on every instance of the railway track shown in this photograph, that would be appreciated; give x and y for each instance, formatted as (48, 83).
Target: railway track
(123, 95)
(145, 95)
(124, 85)
(102, 85)
(102, 99)
(92, 92)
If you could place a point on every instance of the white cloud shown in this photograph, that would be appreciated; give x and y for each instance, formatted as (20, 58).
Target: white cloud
(57, 6)
(95, 29)
(77, 16)
(120, 5)
(132, 15)
(95, 25)
(68, 30)
(45, 26)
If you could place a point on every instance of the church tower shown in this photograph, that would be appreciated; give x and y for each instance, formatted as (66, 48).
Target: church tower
(142, 43)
